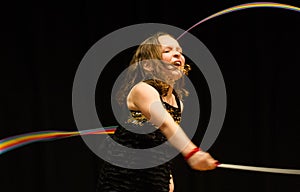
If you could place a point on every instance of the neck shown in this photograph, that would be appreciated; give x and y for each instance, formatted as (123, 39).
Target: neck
(170, 92)
(170, 98)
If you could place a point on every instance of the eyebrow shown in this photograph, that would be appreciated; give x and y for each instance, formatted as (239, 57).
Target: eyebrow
(170, 47)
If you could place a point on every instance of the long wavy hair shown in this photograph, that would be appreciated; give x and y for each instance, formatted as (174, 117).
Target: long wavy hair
(148, 55)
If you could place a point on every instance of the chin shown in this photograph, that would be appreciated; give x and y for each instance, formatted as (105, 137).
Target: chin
(176, 75)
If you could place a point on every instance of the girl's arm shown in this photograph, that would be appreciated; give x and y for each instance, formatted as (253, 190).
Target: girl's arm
(146, 99)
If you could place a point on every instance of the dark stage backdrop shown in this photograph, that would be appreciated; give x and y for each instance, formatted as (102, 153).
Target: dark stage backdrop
(43, 42)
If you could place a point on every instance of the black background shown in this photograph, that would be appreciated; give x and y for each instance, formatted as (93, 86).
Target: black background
(42, 44)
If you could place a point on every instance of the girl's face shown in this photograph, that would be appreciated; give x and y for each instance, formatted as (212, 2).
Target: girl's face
(172, 54)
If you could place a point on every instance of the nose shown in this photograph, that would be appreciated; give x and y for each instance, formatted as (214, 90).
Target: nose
(176, 54)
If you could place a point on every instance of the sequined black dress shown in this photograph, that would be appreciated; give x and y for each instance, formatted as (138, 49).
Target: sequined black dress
(114, 178)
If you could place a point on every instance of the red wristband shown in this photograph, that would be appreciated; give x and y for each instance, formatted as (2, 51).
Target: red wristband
(192, 153)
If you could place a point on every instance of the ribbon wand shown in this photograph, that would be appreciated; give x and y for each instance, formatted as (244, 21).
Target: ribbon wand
(261, 169)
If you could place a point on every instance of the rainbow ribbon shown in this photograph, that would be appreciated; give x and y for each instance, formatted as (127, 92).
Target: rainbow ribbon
(241, 7)
(13, 142)
(21, 140)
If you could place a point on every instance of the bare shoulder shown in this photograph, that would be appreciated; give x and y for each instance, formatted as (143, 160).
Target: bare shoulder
(143, 89)
(141, 94)
(181, 104)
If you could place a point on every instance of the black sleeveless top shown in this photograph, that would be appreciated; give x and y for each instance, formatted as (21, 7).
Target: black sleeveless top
(114, 178)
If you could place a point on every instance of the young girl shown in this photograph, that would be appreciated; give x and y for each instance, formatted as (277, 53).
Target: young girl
(152, 94)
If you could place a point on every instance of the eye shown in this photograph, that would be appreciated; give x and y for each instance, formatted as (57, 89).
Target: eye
(179, 51)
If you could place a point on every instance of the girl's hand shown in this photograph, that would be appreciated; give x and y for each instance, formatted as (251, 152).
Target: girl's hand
(202, 161)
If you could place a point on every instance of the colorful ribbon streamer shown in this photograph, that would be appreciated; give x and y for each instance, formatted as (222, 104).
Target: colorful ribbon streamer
(241, 7)
(24, 139)
(237, 8)
(13, 142)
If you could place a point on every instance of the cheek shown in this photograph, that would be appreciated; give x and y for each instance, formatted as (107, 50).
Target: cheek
(166, 57)
(183, 58)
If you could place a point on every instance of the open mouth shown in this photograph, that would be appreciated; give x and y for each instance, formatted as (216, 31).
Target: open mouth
(177, 63)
